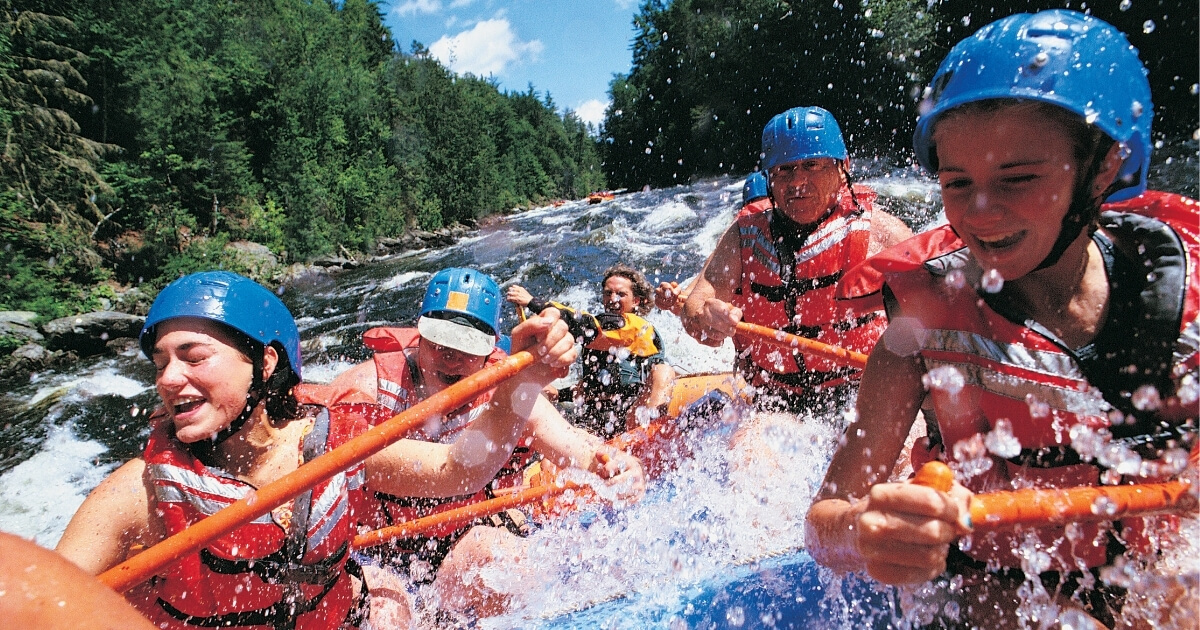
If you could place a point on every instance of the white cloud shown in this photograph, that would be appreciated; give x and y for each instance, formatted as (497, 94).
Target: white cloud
(458, 4)
(592, 111)
(488, 48)
(625, 4)
(413, 7)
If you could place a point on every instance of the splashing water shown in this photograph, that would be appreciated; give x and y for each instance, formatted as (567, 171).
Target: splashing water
(1001, 442)
(992, 281)
(945, 378)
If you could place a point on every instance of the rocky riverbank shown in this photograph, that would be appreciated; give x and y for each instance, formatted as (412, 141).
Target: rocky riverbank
(27, 346)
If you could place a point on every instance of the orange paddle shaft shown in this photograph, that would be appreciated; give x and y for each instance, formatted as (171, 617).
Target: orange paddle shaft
(142, 566)
(1038, 506)
(444, 523)
(836, 354)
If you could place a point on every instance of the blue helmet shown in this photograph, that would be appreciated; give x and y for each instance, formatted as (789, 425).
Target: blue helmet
(801, 133)
(473, 299)
(754, 188)
(233, 300)
(1060, 57)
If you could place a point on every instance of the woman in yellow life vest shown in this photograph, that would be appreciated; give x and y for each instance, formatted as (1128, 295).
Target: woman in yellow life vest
(624, 369)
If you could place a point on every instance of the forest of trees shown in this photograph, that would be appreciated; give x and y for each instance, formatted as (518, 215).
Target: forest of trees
(708, 74)
(142, 136)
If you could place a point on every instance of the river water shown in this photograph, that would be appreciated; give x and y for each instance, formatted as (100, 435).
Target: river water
(716, 543)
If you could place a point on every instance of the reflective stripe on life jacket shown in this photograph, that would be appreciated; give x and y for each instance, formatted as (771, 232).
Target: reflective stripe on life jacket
(1018, 372)
(286, 569)
(794, 291)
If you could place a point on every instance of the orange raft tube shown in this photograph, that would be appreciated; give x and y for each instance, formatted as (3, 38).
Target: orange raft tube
(600, 197)
(658, 445)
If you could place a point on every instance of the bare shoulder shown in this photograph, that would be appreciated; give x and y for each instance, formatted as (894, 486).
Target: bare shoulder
(115, 517)
(886, 230)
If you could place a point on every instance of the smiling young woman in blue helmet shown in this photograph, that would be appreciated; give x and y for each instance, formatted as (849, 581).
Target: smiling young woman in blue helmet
(226, 353)
(778, 267)
(1054, 322)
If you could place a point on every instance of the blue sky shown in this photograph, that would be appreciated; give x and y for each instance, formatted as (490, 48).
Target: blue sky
(570, 48)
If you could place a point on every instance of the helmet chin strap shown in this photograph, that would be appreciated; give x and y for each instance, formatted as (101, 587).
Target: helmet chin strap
(1082, 212)
(205, 450)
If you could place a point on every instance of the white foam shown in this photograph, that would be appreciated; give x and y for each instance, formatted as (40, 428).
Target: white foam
(666, 216)
(39, 496)
(403, 279)
(105, 381)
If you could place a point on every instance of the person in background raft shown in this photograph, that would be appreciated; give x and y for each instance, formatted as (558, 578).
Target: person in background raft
(778, 268)
(625, 380)
(755, 196)
(456, 336)
(667, 295)
(1056, 337)
(226, 354)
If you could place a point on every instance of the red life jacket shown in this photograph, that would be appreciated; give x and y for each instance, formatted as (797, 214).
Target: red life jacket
(794, 292)
(1020, 373)
(286, 569)
(397, 374)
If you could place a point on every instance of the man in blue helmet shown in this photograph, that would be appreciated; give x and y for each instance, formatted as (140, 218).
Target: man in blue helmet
(779, 268)
(455, 336)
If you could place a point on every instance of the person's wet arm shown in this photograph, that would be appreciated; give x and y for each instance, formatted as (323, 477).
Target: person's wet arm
(708, 316)
(897, 532)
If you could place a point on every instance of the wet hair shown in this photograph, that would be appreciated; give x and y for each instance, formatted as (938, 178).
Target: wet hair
(641, 288)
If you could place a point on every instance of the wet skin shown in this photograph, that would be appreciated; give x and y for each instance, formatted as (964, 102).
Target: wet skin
(201, 376)
(442, 366)
(618, 296)
(805, 190)
(1007, 179)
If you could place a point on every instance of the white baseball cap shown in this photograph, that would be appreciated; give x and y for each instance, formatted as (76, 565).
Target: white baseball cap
(458, 333)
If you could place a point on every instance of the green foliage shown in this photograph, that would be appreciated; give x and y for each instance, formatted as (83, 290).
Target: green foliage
(144, 135)
(708, 74)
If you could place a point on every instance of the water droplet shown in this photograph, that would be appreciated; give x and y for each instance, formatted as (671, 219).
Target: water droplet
(647, 150)
(945, 378)
(1076, 619)
(1037, 408)
(1040, 59)
(1147, 398)
(956, 279)
(712, 55)
(992, 281)
(1001, 442)
(133, 411)
(1125, 4)
(1091, 117)
(1148, 27)
(1123, 151)
(1104, 506)
(736, 616)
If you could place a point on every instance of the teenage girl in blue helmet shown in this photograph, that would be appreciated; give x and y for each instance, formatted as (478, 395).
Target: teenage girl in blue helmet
(1051, 330)
(778, 267)
(226, 353)
(455, 336)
